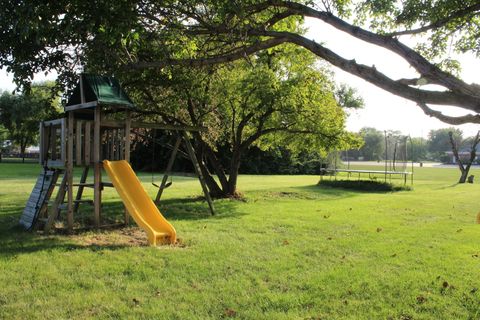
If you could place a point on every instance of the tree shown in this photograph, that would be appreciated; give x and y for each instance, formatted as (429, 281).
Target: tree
(464, 163)
(3, 140)
(20, 114)
(439, 141)
(374, 144)
(118, 35)
(267, 101)
(419, 149)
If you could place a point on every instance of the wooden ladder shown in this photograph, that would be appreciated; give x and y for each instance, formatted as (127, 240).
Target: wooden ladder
(51, 214)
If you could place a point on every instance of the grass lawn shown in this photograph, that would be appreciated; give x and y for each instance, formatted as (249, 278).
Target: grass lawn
(291, 250)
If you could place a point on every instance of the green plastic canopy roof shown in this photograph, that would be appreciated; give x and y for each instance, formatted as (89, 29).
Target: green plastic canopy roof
(104, 90)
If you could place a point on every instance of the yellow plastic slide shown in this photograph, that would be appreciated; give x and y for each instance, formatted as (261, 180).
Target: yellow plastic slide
(139, 204)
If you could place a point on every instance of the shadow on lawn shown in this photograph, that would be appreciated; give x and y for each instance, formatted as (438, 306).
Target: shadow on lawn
(19, 242)
(364, 186)
(326, 193)
(14, 240)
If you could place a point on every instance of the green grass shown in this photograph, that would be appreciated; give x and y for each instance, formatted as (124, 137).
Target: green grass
(291, 250)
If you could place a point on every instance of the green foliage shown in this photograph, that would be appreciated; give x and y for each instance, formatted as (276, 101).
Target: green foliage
(3, 139)
(455, 25)
(419, 149)
(20, 114)
(279, 97)
(374, 144)
(348, 97)
(439, 141)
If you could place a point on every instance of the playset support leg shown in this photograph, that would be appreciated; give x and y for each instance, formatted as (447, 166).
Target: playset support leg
(168, 170)
(69, 172)
(198, 171)
(97, 166)
(53, 213)
(81, 186)
(128, 127)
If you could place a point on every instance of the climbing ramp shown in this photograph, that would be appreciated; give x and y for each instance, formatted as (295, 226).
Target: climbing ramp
(38, 198)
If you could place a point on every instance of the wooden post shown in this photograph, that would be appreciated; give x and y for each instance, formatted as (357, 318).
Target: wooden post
(43, 146)
(69, 171)
(128, 127)
(97, 166)
(168, 169)
(88, 143)
(53, 142)
(81, 186)
(78, 143)
(198, 171)
(56, 204)
(63, 139)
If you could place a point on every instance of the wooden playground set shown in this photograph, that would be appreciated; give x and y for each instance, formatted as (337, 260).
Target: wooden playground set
(96, 133)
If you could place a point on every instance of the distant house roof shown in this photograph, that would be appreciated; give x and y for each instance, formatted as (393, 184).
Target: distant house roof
(103, 90)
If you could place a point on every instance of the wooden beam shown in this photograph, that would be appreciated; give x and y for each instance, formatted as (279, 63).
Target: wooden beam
(56, 122)
(97, 176)
(43, 146)
(78, 143)
(63, 140)
(168, 170)
(81, 187)
(198, 171)
(128, 124)
(69, 172)
(74, 107)
(53, 142)
(53, 213)
(88, 142)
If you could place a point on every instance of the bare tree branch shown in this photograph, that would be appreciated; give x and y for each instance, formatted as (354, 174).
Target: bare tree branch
(422, 65)
(469, 118)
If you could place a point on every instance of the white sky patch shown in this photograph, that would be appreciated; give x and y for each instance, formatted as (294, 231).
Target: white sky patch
(384, 110)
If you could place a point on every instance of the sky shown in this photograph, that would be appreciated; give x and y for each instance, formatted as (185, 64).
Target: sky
(382, 110)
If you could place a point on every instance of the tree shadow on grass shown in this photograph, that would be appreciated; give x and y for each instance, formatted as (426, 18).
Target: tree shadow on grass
(448, 187)
(174, 209)
(324, 193)
(14, 240)
(363, 186)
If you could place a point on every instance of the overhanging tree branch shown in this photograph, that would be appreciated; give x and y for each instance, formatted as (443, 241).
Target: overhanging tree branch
(422, 65)
(235, 55)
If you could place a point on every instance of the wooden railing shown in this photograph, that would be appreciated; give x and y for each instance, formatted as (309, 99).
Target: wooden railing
(53, 143)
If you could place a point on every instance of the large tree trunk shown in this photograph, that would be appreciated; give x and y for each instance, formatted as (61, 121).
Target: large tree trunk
(225, 187)
(234, 167)
(464, 169)
(463, 177)
(23, 146)
(210, 168)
